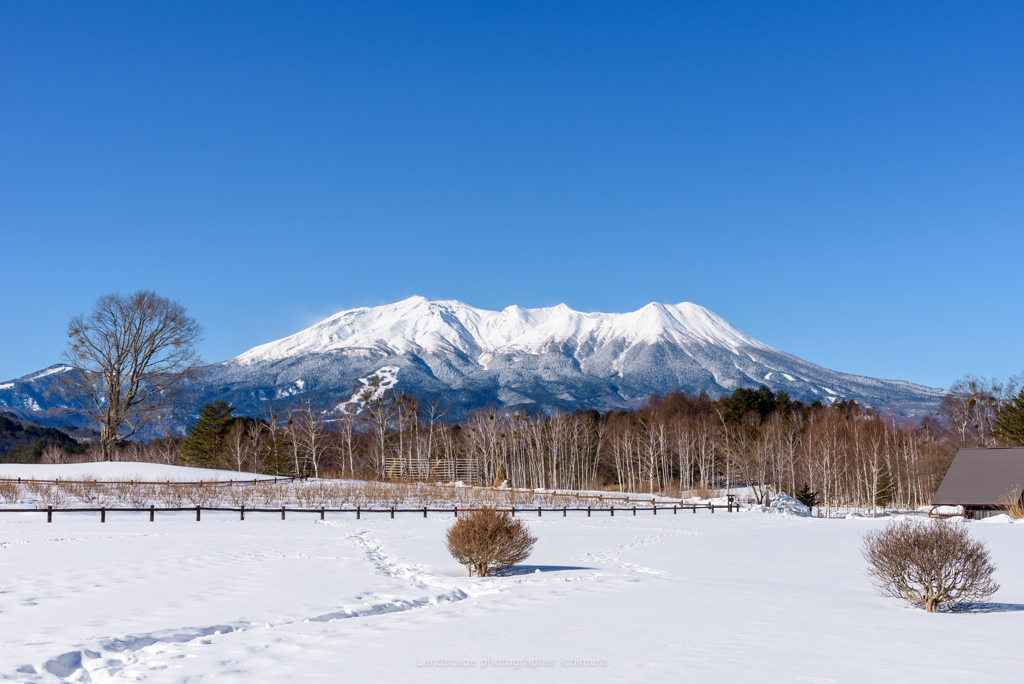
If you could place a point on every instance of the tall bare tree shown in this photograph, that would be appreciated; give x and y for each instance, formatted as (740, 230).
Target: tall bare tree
(132, 358)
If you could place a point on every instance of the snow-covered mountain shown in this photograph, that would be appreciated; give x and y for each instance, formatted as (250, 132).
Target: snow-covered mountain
(538, 358)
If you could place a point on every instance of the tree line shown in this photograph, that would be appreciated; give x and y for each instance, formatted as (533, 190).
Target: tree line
(134, 357)
(840, 454)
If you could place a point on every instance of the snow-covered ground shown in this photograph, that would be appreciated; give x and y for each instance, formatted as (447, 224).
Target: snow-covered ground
(149, 472)
(690, 598)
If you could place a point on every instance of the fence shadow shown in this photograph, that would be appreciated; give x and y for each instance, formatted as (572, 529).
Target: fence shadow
(531, 569)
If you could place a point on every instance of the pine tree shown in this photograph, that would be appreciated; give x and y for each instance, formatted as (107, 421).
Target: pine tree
(1010, 421)
(883, 490)
(205, 443)
(807, 497)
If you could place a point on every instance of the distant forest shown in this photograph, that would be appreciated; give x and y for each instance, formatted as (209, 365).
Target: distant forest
(838, 454)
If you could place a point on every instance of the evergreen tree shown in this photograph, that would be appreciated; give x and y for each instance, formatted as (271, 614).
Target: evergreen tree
(1010, 421)
(743, 401)
(807, 497)
(205, 443)
(883, 490)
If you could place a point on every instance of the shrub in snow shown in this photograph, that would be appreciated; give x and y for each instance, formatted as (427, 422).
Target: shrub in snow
(10, 491)
(1014, 509)
(932, 564)
(488, 540)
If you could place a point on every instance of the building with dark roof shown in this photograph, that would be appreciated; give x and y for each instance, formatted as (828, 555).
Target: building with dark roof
(983, 481)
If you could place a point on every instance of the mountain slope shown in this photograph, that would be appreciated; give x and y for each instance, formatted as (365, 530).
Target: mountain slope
(542, 359)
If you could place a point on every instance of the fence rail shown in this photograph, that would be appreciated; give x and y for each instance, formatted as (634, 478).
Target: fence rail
(359, 511)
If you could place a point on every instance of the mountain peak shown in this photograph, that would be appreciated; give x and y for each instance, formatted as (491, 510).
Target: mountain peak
(545, 358)
(417, 324)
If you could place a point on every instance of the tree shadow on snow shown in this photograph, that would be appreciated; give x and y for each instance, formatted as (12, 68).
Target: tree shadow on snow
(992, 608)
(531, 569)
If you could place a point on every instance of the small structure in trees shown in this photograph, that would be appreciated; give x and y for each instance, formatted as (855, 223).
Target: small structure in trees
(984, 481)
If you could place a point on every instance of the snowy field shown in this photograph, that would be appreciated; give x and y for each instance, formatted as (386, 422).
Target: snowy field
(150, 472)
(695, 598)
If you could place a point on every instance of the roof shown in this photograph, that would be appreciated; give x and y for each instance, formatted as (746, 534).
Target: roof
(982, 477)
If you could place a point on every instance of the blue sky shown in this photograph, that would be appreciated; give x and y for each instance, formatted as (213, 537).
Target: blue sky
(843, 181)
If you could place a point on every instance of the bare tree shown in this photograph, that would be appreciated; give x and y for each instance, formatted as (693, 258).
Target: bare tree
(929, 563)
(239, 446)
(970, 408)
(52, 453)
(131, 359)
(310, 432)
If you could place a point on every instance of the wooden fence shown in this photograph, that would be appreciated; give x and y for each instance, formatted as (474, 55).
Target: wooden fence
(359, 511)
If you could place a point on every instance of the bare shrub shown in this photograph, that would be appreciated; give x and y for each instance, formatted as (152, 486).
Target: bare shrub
(398, 494)
(10, 491)
(268, 494)
(700, 491)
(35, 487)
(489, 540)
(53, 495)
(201, 493)
(929, 563)
(239, 495)
(306, 495)
(170, 494)
(374, 493)
(1014, 509)
(132, 494)
(317, 494)
(88, 490)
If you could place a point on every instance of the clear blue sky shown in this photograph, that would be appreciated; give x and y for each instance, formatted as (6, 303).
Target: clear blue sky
(844, 181)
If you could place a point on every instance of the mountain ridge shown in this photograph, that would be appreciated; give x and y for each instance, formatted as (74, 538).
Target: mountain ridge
(540, 359)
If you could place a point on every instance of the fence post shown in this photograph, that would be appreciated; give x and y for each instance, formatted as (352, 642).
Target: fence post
(538, 511)
(357, 512)
(613, 510)
(655, 509)
(588, 511)
(321, 512)
(103, 514)
(392, 512)
(563, 511)
(197, 513)
(242, 511)
(673, 510)
(282, 511)
(49, 514)
(695, 509)
(152, 512)
(424, 511)
(712, 507)
(513, 511)
(634, 510)
(457, 512)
